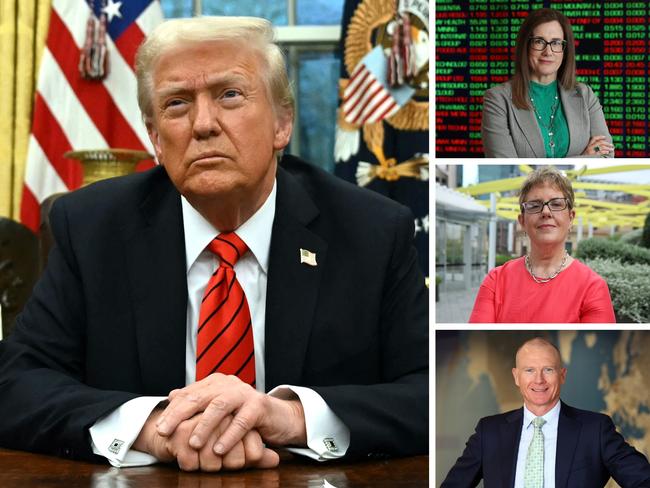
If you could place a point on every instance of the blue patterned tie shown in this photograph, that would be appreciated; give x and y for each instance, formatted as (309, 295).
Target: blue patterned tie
(534, 474)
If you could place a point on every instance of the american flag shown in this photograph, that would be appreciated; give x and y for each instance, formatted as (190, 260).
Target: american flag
(376, 146)
(368, 98)
(72, 112)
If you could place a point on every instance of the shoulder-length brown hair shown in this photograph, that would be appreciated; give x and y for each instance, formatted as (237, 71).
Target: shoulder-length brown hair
(566, 75)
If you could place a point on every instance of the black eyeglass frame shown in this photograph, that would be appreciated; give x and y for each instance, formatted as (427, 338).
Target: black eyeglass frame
(547, 43)
(523, 208)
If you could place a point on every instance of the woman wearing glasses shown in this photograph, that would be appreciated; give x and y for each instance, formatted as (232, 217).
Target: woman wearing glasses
(542, 112)
(547, 285)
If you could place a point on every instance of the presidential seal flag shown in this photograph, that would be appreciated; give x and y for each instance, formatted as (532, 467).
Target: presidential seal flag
(86, 92)
(382, 133)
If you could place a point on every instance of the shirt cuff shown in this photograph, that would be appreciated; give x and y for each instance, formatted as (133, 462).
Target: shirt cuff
(327, 436)
(113, 435)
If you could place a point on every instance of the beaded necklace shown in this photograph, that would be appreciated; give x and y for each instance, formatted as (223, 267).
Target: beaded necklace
(540, 280)
(551, 124)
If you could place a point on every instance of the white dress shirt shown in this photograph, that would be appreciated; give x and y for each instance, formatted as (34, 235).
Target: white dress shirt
(113, 435)
(549, 429)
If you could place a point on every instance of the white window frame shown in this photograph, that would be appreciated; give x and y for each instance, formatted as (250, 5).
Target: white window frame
(294, 38)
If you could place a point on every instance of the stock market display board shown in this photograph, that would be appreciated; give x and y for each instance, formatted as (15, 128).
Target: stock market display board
(475, 47)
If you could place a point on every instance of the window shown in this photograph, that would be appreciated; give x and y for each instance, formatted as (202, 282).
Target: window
(309, 32)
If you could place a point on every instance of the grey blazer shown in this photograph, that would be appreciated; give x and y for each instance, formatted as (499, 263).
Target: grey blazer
(510, 132)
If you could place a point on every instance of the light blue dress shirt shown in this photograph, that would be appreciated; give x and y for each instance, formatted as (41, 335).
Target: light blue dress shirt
(549, 429)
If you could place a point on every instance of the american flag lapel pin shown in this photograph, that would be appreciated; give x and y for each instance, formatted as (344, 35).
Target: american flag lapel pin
(307, 257)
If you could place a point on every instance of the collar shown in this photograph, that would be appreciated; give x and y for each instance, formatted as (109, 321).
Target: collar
(552, 86)
(255, 232)
(551, 417)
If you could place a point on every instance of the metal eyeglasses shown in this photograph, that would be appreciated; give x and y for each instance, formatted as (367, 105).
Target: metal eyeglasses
(539, 44)
(536, 206)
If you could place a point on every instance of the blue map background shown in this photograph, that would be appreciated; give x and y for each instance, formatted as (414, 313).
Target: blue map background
(608, 371)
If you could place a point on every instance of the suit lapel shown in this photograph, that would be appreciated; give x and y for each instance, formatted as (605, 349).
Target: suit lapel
(575, 118)
(568, 432)
(292, 287)
(509, 435)
(530, 130)
(155, 251)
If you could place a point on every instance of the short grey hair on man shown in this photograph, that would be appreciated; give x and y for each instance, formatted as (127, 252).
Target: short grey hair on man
(539, 342)
(251, 31)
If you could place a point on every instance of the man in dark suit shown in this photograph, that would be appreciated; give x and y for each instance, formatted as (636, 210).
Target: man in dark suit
(546, 443)
(106, 357)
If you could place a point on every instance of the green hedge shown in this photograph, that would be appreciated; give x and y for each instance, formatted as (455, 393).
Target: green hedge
(607, 249)
(501, 259)
(645, 237)
(629, 287)
(632, 237)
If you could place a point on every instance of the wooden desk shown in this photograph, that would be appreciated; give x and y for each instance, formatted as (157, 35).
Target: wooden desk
(23, 470)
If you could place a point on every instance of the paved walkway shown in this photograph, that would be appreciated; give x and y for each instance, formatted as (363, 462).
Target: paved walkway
(455, 307)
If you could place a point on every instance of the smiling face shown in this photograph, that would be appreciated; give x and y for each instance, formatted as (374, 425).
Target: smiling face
(539, 375)
(546, 227)
(545, 64)
(214, 128)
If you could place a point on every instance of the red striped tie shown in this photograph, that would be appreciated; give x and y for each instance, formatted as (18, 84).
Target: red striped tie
(224, 341)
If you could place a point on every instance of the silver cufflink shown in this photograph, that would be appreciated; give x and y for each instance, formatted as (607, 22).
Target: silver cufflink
(330, 445)
(115, 446)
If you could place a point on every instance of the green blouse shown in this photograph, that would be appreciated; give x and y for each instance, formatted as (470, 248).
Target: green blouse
(543, 101)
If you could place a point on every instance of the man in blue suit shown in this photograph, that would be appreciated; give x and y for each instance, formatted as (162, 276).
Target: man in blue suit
(547, 443)
(325, 302)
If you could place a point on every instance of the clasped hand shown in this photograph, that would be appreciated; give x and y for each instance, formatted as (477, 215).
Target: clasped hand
(599, 146)
(222, 423)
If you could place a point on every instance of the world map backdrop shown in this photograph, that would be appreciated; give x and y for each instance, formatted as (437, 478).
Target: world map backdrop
(607, 371)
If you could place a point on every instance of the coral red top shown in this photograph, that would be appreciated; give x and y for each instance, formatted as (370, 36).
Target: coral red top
(509, 294)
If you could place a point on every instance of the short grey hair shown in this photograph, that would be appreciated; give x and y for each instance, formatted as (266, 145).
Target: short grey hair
(539, 342)
(550, 175)
(254, 32)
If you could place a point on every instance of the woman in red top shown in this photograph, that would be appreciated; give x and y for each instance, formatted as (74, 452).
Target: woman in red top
(546, 285)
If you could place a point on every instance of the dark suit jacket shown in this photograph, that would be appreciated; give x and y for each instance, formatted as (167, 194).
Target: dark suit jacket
(589, 451)
(106, 322)
(511, 132)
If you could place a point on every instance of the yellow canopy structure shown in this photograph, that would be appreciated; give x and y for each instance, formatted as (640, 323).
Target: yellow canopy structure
(595, 212)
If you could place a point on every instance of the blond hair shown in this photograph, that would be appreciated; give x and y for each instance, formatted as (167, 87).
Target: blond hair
(253, 32)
